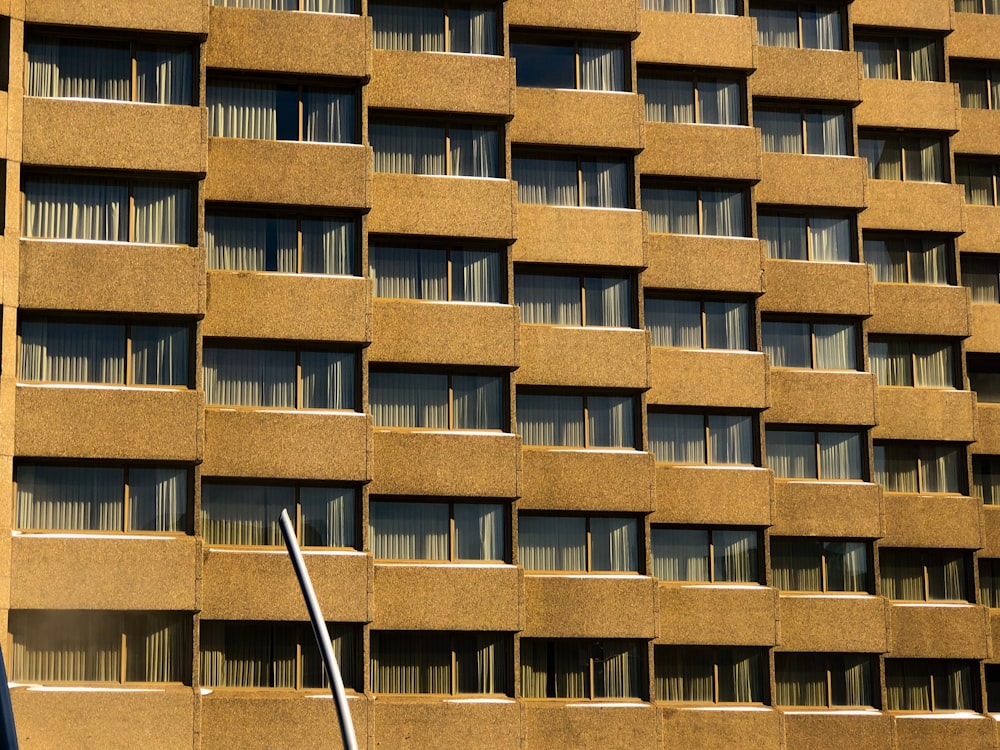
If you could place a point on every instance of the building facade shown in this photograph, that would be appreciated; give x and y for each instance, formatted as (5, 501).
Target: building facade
(630, 370)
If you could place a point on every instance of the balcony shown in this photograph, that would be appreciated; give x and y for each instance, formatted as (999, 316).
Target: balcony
(988, 429)
(580, 236)
(708, 378)
(184, 16)
(118, 277)
(286, 444)
(577, 118)
(982, 230)
(600, 15)
(444, 333)
(963, 729)
(287, 307)
(985, 336)
(587, 357)
(713, 495)
(914, 14)
(836, 623)
(917, 105)
(826, 730)
(924, 414)
(329, 44)
(915, 630)
(298, 174)
(725, 264)
(548, 724)
(808, 180)
(493, 722)
(605, 481)
(113, 135)
(974, 36)
(806, 74)
(426, 462)
(339, 577)
(942, 521)
(444, 206)
(712, 151)
(115, 422)
(979, 133)
(731, 727)
(446, 597)
(824, 397)
(920, 310)
(709, 615)
(913, 206)
(696, 39)
(588, 606)
(818, 288)
(830, 509)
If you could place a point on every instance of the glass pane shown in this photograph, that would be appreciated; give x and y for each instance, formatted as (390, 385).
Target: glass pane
(720, 103)
(409, 399)
(835, 347)
(327, 380)
(668, 100)
(249, 377)
(552, 182)
(614, 544)
(673, 322)
(73, 352)
(826, 133)
(722, 213)
(671, 211)
(160, 355)
(846, 566)
(65, 646)
(407, 27)
(727, 325)
(605, 184)
(681, 554)
(409, 530)
(408, 149)
(328, 247)
(328, 516)
(610, 421)
(76, 209)
(477, 402)
(472, 30)
(677, 438)
(797, 564)
(245, 515)
(79, 69)
(780, 131)
(821, 28)
(554, 300)
(551, 66)
(784, 236)
(163, 75)
(404, 662)
(474, 152)
(70, 498)
(684, 674)
(158, 499)
(409, 273)
(800, 680)
(550, 420)
(552, 542)
(730, 439)
(791, 454)
(251, 243)
(480, 531)
(476, 276)
(736, 556)
(329, 116)
(608, 301)
(788, 344)
(775, 27)
(839, 455)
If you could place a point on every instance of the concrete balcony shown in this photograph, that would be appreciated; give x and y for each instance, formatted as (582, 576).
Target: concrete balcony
(915, 630)
(731, 727)
(183, 16)
(577, 118)
(826, 397)
(601, 15)
(547, 724)
(809, 180)
(597, 236)
(817, 288)
(916, 14)
(702, 614)
(828, 509)
(924, 414)
(942, 521)
(588, 606)
(979, 132)
(696, 39)
(828, 75)
(920, 310)
(834, 623)
(982, 230)
(586, 357)
(826, 730)
(974, 37)
(493, 723)
(708, 378)
(605, 481)
(713, 495)
(725, 264)
(913, 206)
(962, 730)
(985, 336)
(710, 151)
(916, 105)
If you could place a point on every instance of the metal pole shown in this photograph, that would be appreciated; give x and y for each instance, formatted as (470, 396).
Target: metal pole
(321, 633)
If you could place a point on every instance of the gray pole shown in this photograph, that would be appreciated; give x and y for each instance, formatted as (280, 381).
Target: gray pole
(321, 633)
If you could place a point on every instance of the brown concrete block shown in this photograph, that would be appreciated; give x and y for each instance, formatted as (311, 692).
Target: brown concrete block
(708, 378)
(810, 180)
(577, 118)
(722, 495)
(586, 357)
(944, 521)
(982, 228)
(824, 397)
(685, 150)
(915, 631)
(725, 264)
(974, 36)
(703, 615)
(608, 481)
(735, 728)
(817, 288)
(846, 509)
(696, 39)
(918, 105)
(920, 310)
(987, 429)
(828, 730)
(913, 206)
(588, 606)
(929, 732)
(436, 724)
(554, 726)
(979, 132)
(603, 15)
(835, 623)
(807, 74)
(924, 414)
(599, 236)
(185, 16)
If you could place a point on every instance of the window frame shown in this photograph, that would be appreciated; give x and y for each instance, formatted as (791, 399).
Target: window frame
(586, 273)
(808, 216)
(931, 559)
(748, 303)
(905, 140)
(449, 247)
(695, 77)
(699, 188)
(933, 670)
(588, 546)
(900, 42)
(916, 454)
(711, 554)
(800, 8)
(581, 158)
(812, 322)
(590, 673)
(585, 415)
(451, 374)
(453, 557)
(963, 170)
(824, 565)
(912, 244)
(803, 110)
(833, 665)
(719, 656)
(527, 37)
(817, 447)
(911, 343)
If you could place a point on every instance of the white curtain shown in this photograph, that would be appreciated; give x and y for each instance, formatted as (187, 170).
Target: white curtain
(986, 479)
(245, 515)
(884, 158)
(681, 554)
(800, 679)
(617, 670)
(474, 152)
(327, 380)
(408, 27)
(70, 498)
(675, 322)
(896, 468)
(835, 347)
(76, 209)
(409, 399)
(890, 361)
(249, 377)
(553, 300)
(797, 564)
(788, 344)
(830, 239)
(932, 364)
(776, 28)
(939, 468)
(720, 103)
(605, 184)
(727, 325)
(328, 516)
(888, 258)
(158, 499)
(325, 6)
(925, 152)
(989, 582)
(78, 69)
(550, 420)
(671, 210)
(409, 273)
(328, 116)
(162, 214)
(716, 7)
(482, 663)
(928, 262)
(735, 556)
(554, 668)
(610, 422)
(251, 243)
(730, 439)
(72, 352)
(248, 654)
(408, 149)
(722, 213)
(614, 544)
(839, 455)
(409, 531)
(821, 28)
(921, 57)
(477, 402)
(476, 276)
(878, 57)
(677, 438)
(479, 531)
(327, 247)
(66, 646)
(602, 68)
(608, 301)
(826, 133)
(784, 237)
(684, 674)
(668, 100)
(846, 566)
(163, 75)
(552, 542)
(243, 110)
(259, 4)
(981, 275)
(551, 182)
(157, 647)
(792, 454)
(780, 131)
(472, 30)
(977, 179)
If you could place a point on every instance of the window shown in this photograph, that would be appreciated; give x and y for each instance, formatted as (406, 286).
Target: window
(986, 478)
(115, 647)
(460, 150)
(907, 259)
(905, 361)
(817, 346)
(287, 243)
(793, 236)
(408, 530)
(918, 467)
(824, 680)
(247, 514)
(437, 400)
(441, 663)
(984, 377)
(589, 65)
(931, 685)
(908, 158)
(565, 300)
(124, 353)
(992, 687)
(826, 565)
(107, 210)
(576, 668)
(101, 498)
(309, 6)
(456, 274)
(696, 210)
(281, 111)
(714, 7)
(705, 674)
(590, 421)
(698, 324)
(114, 69)
(981, 273)
(805, 25)
(236, 654)
(701, 98)
(989, 582)
(468, 28)
(979, 178)
(708, 555)
(702, 438)
(803, 131)
(978, 83)
(900, 58)
(279, 378)
(588, 182)
(924, 574)
(814, 454)
(991, 7)
(581, 543)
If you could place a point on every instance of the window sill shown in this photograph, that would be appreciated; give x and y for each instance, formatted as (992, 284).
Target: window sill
(105, 386)
(114, 243)
(165, 536)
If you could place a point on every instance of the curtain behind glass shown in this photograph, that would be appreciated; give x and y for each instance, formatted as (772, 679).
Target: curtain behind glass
(933, 366)
(668, 100)
(73, 352)
(821, 28)
(614, 545)
(477, 402)
(722, 213)
(919, 59)
(76, 209)
(986, 478)
(327, 246)
(472, 30)
(602, 68)
(407, 27)
(248, 654)
(735, 556)
(409, 399)
(730, 439)
(550, 420)
(727, 325)
(475, 276)
(479, 531)
(616, 669)
(791, 454)
(605, 184)
(608, 301)
(684, 674)
(839, 455)
(482, 663)
(163, 75)
(409, 273)
(328, 116)
(890, 361)
(981, 276)
(157, 647)
(552, 542)
(158, 499)
(719, 103)
(830, 239)
(800, 679)
(796, 564)
(846, 566)
(251, 243)
(677, 438)
(79, 69)
(780, 131)
(551, 182)
(888, 258)
(162, 214)
(788, 344)
(677, 323)
(249, 377)
(474, 152)
(826, 133)
(65, 646)
(327, 516)
(554, 300)
(408, 149)
(245, 515)
(242, 110)
(671, 211)
(878, 57)
(562, 664)
(610, 421)
(680, 554)
(327, 380)
(70, 498)
(835, 348)
(776, 28)
(784, 236)
(409, 531)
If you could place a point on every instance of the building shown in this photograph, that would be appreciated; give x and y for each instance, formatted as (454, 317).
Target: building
(642, 393)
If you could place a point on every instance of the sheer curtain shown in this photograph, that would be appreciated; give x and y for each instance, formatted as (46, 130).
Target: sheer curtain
(727, 325)
(830, 240)
(902, 574)
(479, 531)
(932, 364)
(788, 344)
(251, 243)
(989, 582)
(792, 454)
(472, 30)
(986, 478)
(614, 544)
(741, 676)
(835, 347)
(668, 100)
(821, 28)
(409, 531)
(554, 669)
(327, 380)
(720, 103)
(157, 647)
(981, 276)
(163, 75)
(409, 399)
(76, 209)
(776, 28)
(408, 272)
(895, 469)
(162, 214)
(671, 211)
(326, 6)
(800, 679)
(608, 301)
(784, 236)
(857, 680)
(846, 566)
(249, 377)
(722, 213)
(907, 685)
(77, 69)
(602, 68)
(550, 420)
(605, 184)
(482, 663)
(552, 542)
(888, 258)
(66, 646)
(407, 27)
(610, 421)
(826, 133)
(839, 455)
(730, 439)
(796, 564)
(158, 499)
(408, 149)
(680, 554)
(243, 110)
(677, 438)
(551, 182)
(248, 654)
(617, 671)
(260, 4)
(328, 516)
(327, 247)
(878, 57)
(684, 674)
(474, 152)
(780, 131)
(70, 498)
(670, 6)
(736, 556)
(939, 468)
(928, 262)
(244, 514)
(922, 56)
(475, 276)
(328, 116)
(890, 361)
(477, 402)
(884, 158)
(676, 323)
(717, 7)
(73, 352)
(553, 300)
